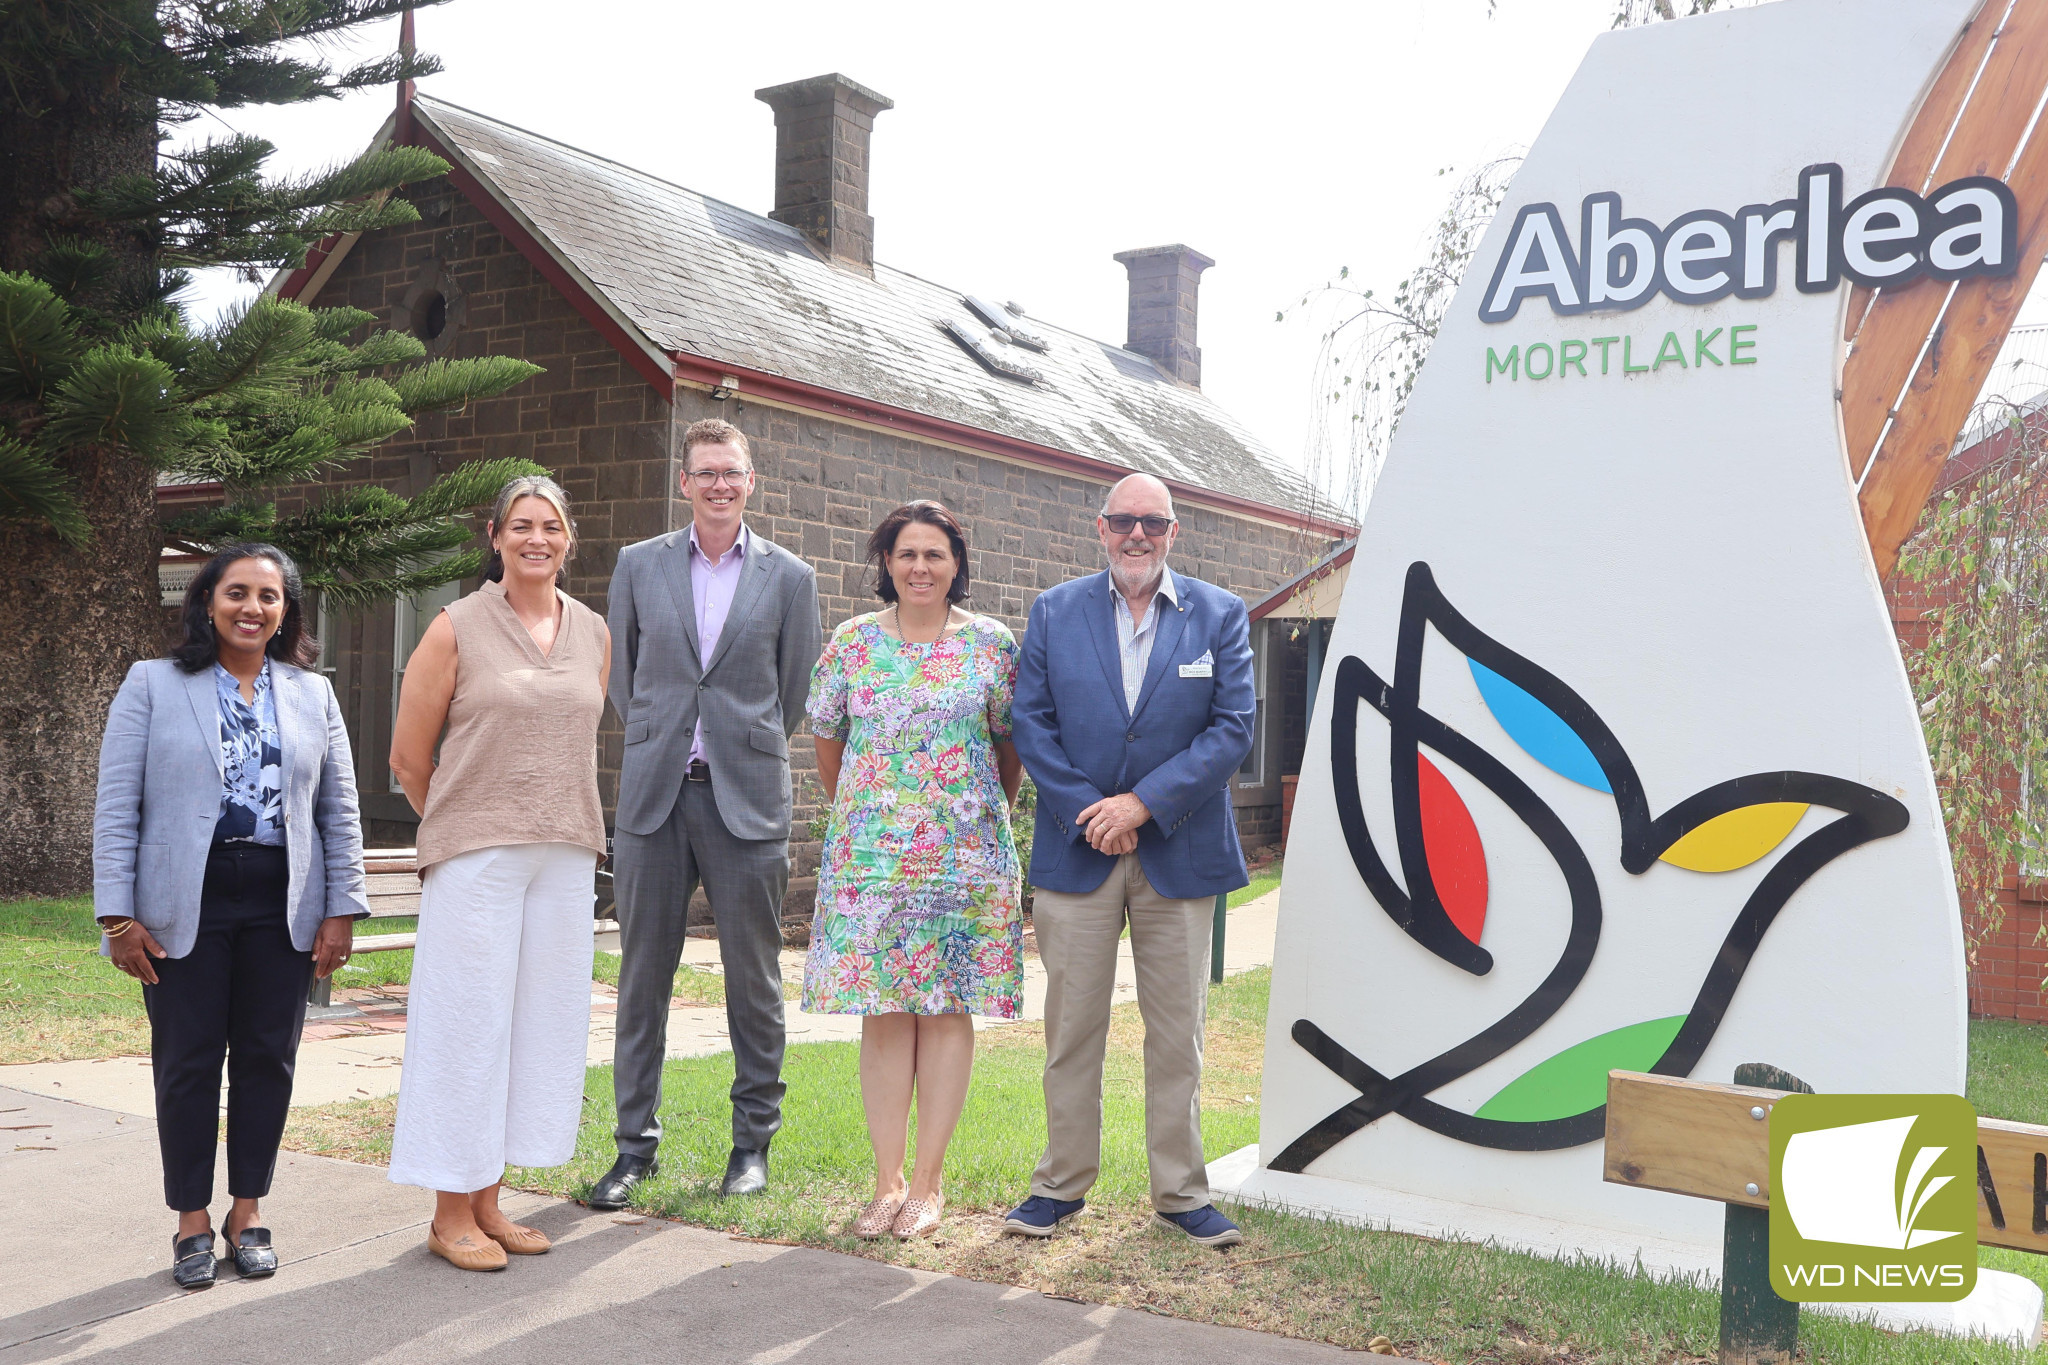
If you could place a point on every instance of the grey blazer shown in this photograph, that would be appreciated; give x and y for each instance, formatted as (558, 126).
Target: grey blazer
(159, 798)
(750, 692)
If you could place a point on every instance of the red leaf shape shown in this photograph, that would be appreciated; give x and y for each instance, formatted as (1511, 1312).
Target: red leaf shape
(1457, 859)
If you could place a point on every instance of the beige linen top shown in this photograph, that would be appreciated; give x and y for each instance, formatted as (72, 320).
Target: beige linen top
(519, 758)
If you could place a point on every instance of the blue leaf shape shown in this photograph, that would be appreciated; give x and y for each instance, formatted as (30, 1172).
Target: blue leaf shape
(1539, 730)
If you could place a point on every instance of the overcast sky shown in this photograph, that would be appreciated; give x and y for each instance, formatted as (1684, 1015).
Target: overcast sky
(1030, 143)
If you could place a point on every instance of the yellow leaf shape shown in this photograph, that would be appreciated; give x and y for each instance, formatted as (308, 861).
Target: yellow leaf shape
(1736, 839)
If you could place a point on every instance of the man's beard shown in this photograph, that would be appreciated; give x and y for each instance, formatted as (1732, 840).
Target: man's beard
(1130, 582)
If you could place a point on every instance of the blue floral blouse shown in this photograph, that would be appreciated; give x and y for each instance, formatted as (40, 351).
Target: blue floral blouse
(252, 763)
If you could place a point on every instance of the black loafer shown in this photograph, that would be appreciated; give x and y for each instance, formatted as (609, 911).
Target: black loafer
(746, 1172)
(615, 1190)
(251, 1255)
(192, 1260)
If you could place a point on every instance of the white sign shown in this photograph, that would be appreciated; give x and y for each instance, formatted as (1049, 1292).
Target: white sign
(1616, 764)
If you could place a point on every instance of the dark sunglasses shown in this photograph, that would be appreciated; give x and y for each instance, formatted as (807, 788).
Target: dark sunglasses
(1123, 522)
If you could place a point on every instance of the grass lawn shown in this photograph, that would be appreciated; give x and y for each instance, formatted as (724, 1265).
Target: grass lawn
(1446, 1301)
(1265, 880)
(59, 998)
(61, 1001)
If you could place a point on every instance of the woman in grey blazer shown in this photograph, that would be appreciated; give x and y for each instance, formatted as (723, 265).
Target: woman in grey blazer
(227, 866)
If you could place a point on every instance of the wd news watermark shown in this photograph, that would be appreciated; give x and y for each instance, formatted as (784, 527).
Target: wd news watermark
(1873, 1198)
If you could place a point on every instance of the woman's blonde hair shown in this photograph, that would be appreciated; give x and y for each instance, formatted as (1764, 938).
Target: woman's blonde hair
(527, 486)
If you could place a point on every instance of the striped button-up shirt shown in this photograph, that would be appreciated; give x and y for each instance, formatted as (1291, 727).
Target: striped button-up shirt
(1134, 638)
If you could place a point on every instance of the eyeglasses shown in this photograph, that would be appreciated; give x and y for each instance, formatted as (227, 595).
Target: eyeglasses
(1123, 523)
(705, 478)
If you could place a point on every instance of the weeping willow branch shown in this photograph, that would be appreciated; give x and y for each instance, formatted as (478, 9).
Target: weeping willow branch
(1979, 560)
(1372, 345)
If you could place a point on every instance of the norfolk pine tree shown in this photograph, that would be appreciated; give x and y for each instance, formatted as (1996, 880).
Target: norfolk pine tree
(104, 387)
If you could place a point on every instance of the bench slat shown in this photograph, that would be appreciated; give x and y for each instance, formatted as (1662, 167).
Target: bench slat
(390, 859)
(391, 884)
(394, 907)
(384, 943)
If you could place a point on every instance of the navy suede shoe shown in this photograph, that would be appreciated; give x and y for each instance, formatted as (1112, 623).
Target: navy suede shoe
(1204, 1225)
(1040, 1216)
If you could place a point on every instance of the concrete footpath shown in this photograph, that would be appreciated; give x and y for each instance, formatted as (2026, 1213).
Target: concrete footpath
(86, 1276)
(364, 1057)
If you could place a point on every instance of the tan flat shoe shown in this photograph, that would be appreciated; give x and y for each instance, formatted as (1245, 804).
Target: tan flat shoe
(919, 1217)
(522, 1241)
(464, 1253)
(878, 1219)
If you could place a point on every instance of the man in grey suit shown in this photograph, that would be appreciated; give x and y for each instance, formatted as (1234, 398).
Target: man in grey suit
(714, 631)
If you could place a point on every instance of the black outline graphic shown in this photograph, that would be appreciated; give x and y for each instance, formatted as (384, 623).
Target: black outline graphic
(1867, 815)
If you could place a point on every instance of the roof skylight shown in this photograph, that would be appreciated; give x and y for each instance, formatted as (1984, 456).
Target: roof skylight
(989, 352)
(1001, 321)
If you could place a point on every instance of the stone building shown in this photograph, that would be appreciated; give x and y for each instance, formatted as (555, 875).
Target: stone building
(860, 387)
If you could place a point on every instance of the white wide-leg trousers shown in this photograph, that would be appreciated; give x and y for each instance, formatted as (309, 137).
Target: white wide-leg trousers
(498, 1017)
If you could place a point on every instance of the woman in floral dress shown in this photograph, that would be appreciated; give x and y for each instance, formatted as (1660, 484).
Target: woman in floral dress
(918, 924)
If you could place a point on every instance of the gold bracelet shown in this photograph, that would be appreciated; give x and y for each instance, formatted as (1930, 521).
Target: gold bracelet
(126, 925)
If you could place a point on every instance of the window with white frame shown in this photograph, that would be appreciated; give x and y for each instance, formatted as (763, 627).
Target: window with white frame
(1252, 772)
(411, 617)
(323, 631)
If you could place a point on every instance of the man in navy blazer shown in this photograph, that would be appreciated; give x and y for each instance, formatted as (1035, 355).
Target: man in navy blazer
(1134, 706)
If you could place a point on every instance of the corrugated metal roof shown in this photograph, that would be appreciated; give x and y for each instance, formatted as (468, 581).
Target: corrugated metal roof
(697, 275)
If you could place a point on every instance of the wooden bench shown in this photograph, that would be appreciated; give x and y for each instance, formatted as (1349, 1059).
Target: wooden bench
(392, 886)
(1713, 1142)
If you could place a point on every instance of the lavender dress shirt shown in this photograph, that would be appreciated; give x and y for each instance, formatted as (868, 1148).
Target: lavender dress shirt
(713, 584)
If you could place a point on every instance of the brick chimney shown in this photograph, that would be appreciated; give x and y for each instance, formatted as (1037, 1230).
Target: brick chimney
(822, 129)
(1164, 281)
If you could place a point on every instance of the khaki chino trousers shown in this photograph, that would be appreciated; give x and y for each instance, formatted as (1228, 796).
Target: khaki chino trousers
(1077, 941)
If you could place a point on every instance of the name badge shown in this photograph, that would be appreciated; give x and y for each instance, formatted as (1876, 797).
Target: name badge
(1198, 670)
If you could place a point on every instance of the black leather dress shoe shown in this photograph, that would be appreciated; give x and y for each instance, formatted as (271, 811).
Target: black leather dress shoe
(192, 1263)
(252, 1255)
(746, 1172)
(615, 1190)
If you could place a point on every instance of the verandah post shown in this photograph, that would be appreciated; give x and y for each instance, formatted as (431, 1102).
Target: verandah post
(1216, 944)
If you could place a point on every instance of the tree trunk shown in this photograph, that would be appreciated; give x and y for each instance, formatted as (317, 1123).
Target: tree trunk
(71, 621)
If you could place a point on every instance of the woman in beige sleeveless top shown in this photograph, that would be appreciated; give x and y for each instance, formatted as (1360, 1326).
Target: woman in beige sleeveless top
(510, 682)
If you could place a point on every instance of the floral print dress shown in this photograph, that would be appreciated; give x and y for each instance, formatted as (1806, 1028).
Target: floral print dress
(918, 891)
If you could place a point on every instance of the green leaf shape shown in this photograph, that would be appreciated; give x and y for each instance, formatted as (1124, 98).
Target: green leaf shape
(1575, 1080)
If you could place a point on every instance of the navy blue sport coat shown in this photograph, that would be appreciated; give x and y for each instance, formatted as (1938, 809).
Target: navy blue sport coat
(1177, 748)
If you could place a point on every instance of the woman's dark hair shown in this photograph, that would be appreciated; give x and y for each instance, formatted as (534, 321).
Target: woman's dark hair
(293, 643)
(882, 544)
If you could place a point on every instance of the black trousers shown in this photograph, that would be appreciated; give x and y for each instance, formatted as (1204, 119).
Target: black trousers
(240, 994)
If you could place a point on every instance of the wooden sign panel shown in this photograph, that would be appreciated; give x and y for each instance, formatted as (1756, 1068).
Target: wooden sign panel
(1713, 1142)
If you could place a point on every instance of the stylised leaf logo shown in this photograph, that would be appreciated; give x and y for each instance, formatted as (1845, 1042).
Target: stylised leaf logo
(1561, 1101)
(1452, 848)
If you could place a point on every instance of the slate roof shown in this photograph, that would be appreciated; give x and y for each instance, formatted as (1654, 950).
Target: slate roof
(697, 275)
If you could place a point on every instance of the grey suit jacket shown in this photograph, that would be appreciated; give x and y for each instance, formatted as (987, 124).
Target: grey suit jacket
(159, 798)
(750, 692)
